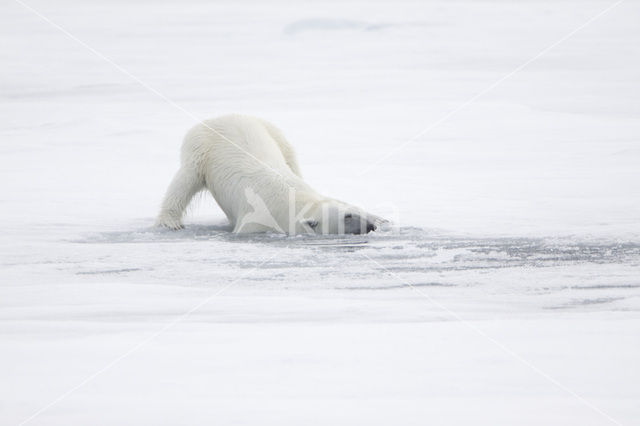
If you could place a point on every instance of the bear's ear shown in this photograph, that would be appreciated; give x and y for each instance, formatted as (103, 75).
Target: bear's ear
(313, 224)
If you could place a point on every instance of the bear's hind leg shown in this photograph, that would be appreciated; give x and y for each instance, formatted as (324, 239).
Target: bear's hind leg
(185, 184)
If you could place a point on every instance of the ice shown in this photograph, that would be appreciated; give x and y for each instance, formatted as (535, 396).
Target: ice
(507, 291)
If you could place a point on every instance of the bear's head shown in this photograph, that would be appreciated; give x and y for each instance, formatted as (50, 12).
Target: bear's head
(336, 217)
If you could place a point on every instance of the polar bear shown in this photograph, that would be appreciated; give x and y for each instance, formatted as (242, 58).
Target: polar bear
(252, 172)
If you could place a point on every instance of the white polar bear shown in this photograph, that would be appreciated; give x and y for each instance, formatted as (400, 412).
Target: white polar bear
(252, 172)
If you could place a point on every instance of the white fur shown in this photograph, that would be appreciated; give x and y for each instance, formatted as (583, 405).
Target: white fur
(249, 168)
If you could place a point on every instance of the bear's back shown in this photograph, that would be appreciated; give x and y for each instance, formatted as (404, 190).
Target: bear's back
(234, 141)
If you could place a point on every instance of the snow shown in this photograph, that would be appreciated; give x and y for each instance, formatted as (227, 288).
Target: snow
(507, 293)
